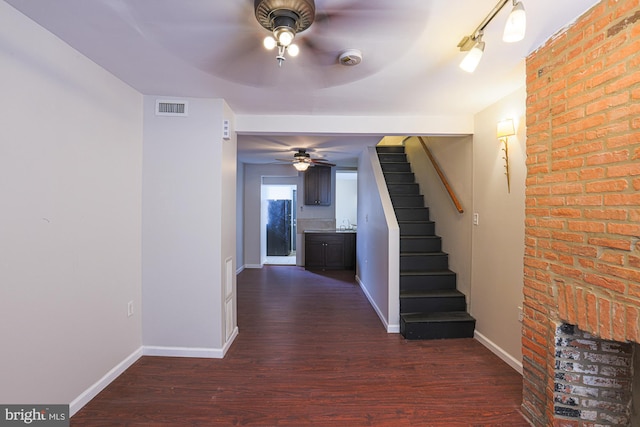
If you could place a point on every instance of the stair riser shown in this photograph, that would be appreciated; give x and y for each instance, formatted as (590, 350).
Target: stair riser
(395, 167)
(412, 214)
(390, 149)
(395, 177)
(426, 244)
(408, 201)
(392, 157)
(440, 330)
(424, 262)
(432, 304)
(427, 283)
(417, 229)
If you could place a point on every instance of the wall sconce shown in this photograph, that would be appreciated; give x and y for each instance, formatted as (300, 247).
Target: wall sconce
(505, 130)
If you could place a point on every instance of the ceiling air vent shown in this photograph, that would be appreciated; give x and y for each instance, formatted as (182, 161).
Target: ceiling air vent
(171, 108)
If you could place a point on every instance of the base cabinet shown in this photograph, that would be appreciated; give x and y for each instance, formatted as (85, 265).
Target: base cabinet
(330, 251)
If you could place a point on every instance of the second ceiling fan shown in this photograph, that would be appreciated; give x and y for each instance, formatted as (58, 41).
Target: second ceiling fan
(302, 160)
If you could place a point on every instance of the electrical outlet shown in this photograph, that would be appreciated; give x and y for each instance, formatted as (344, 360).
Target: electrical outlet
(476, 218)
(130, 309)
(520, 315)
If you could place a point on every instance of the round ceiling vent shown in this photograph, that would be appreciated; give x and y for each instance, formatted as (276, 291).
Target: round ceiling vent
(350, 57)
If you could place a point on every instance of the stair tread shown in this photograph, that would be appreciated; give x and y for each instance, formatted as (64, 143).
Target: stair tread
(416, 254)
(439, 316)
(440, 293)
(427, 273)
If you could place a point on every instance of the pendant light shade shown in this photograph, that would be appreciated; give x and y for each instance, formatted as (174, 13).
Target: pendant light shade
(516, 26)
(473, 57)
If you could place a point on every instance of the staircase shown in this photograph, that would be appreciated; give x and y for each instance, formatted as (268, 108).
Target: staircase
(430, 305)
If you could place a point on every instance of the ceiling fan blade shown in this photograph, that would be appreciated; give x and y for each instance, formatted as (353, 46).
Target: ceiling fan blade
(237, 37)
(321, 162)
(376, 17)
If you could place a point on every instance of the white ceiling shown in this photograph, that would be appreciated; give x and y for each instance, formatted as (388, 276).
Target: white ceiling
(213, 49)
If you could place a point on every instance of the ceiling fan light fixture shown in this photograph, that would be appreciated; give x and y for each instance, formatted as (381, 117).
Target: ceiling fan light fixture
(285, 19)
(293, 50)
(284, 35)
(516, 26)
(269, 43)
(301, 166)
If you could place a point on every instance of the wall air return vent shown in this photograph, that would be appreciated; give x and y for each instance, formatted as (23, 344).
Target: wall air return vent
(172, 108)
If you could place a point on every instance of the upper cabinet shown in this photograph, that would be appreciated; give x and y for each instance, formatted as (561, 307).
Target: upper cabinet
(317, 186)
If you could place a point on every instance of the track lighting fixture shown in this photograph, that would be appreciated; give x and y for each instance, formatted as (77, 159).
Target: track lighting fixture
(514, 31)
(473, 57)
(516, 25)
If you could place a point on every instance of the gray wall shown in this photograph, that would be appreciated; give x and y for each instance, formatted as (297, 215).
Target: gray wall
(189, 203)
(498, 239)
(378, 242)
(455, 157)
(70, 191)
(188, 230)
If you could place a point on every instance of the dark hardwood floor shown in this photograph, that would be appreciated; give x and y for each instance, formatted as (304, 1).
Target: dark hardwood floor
(312, 351)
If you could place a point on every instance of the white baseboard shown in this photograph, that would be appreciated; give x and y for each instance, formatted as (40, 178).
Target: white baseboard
(230, 341)
(253, 266)
(103, 382)
(506, 357)
(240, 270)
(390, 328)
(207, 353)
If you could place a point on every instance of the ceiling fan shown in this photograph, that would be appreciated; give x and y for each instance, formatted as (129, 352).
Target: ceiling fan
(284, 18)
(302, 160)
(226, 39)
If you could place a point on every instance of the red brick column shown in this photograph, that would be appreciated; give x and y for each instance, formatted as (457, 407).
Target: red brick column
(582, 250)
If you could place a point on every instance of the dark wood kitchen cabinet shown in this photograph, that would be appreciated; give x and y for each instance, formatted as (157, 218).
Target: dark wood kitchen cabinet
(329, 251)
(317, 186)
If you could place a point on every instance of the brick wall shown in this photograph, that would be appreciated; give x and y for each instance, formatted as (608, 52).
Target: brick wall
(582, 247)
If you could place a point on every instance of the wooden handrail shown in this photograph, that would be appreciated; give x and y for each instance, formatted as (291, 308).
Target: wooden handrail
(454, 199)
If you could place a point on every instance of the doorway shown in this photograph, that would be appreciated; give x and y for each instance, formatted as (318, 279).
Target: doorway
(346, 199)
(279, 224)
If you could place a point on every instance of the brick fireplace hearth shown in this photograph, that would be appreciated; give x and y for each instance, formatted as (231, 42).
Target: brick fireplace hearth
(582, 236)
